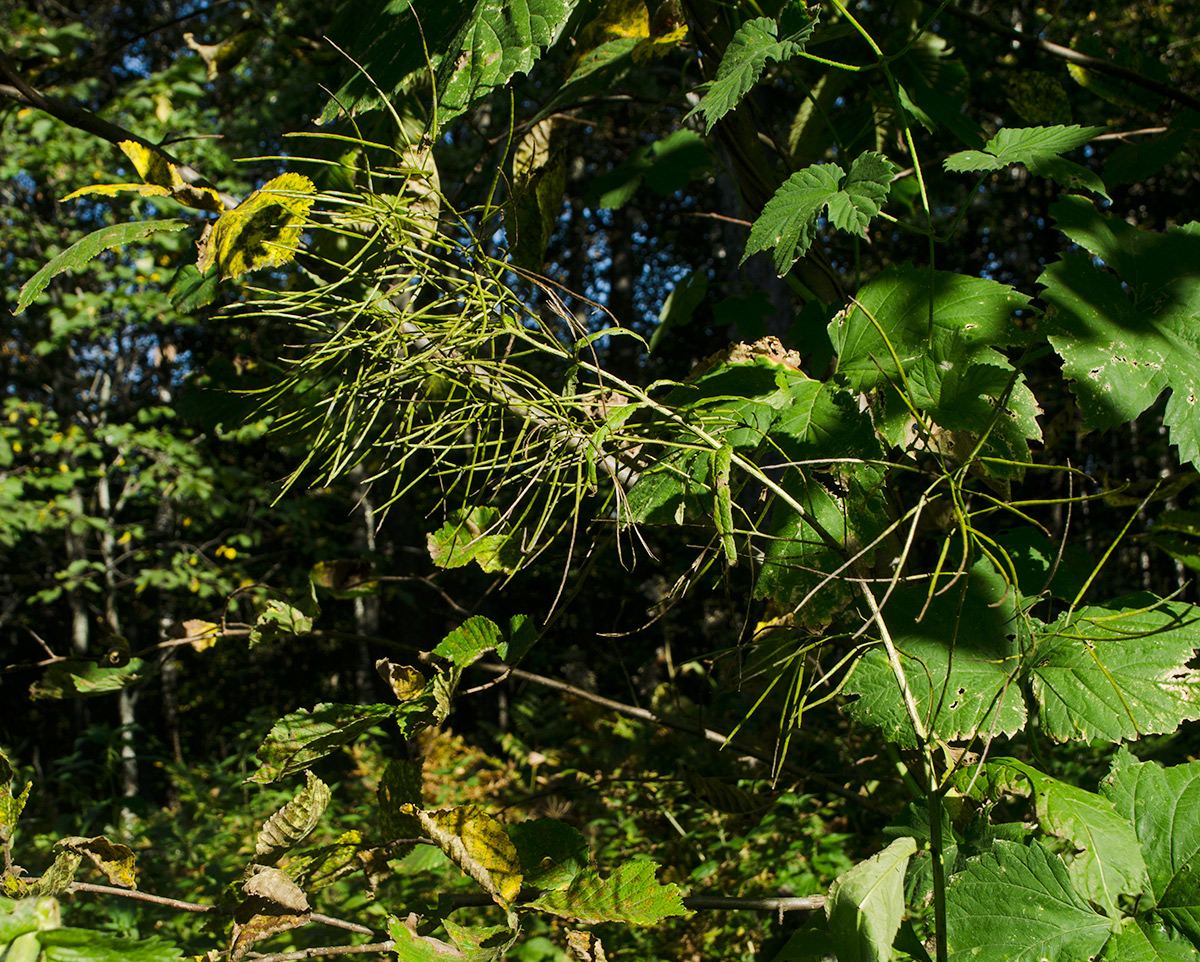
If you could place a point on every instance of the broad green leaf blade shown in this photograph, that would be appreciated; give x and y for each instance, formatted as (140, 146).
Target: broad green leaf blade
(866, 904)
(82, 251)
(788, 223)
(960, 660)
(1110, 862)
(399, 786)
(475, 534)
(1126, 339)
(1016, 904)
(500, 39)
(1038, 148)
(1162, 804)
(631, 895)
(552, 853)
(293, 823)
(969, 315)
(19, 916)
(85, 679)
(1145, 940)
(279, 620)
(479, 845)
(752, 45)
(476, 944)
(89, 945)
(470, 641)
(1117, 671)
(262, 231)
(299, 739)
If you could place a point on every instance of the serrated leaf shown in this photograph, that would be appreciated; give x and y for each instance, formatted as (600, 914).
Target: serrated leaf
(788, 223)
(273, 904)
(500, 39)
(1016, 903)
(279, 620)
(467, 643)
(162, 179)
(1038, 148)
(475, 534)
(479, 845)
(11, 805)
(299, 739)
(631, 894)
(411, 947)
(1126, 339)
(1117, 671)
(82, 251)
(552, 853)
(85, 679)
(58, 877)
(1145, 940)
(1110, 862)
(866, 903)
(1162, 804)
(968, 316)
(262, 231)
(753, 44)
(960, 660)
(90, 945)
(293, 823)
(111, 858)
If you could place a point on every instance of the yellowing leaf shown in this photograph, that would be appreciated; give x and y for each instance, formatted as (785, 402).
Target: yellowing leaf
(113, 859)
(203, 634)
(162, 179)
(262, 231)
(405, 681)
(479, 845)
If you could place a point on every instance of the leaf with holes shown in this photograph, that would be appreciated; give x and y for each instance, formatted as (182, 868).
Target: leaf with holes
(1128, 334)
(1116, 671)
(1016, 903)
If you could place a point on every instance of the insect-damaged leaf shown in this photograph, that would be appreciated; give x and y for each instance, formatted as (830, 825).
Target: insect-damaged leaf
(262, 231)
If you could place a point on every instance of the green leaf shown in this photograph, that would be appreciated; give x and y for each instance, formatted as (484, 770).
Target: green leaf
(1110, 862)
(752, 45)
(1143, 157)
(680, 305)
(293, 823)
(1144, 940)
(19, 916)
(893, 313)
(279, 620)
(90, 945)
(470, 641)
(1125, 339)
(1016, 903)
(1117, 671)
(11, 805)
(400, 785)
(866, 904)
(1162, 804)
(788, 223)
(85, 679)
(1038, 148)
(475, 534)
(631, 894)
(500, 39)
(82, 251)
(960, 659)
(299, 739)
(552, 853)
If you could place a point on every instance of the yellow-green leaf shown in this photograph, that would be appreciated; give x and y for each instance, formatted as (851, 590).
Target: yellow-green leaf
(479, 845)
(111, 858)
(262, 231)
(162, 179)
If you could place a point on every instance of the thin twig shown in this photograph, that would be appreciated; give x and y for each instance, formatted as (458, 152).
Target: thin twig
(327, 950)
(197, 907)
